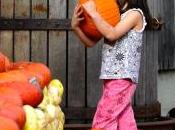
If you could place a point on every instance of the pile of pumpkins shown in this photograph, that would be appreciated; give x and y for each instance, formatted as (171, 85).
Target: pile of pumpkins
(29, 99)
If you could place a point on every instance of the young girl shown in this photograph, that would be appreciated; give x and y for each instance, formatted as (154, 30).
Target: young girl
(121, 55)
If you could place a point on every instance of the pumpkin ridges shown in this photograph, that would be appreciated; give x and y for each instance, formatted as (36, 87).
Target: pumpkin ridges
(8, 124)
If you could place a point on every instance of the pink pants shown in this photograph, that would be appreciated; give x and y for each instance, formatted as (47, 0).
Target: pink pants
(114, 110)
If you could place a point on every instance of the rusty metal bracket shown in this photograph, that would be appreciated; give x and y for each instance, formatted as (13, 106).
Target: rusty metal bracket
(35, 24)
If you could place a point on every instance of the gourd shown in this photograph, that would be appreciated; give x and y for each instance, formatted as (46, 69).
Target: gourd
(8, 124)
(52, 94)
(55, 91)
(109, 11)
(31, 118)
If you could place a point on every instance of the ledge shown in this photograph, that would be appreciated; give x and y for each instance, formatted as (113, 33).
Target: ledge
(166, 124)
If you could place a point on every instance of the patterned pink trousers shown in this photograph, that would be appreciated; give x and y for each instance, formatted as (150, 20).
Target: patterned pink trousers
(114, 110)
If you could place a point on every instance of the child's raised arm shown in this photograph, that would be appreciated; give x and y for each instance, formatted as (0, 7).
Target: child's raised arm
(76, 19)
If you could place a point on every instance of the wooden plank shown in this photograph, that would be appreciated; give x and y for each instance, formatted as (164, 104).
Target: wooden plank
(164, 43)
(21, 46)
(76, 72)
(7, 8)
(139, 97)
(22, 38)
(150, 73)
(156, 11)
(161, 44)
(57, 9)
(57, 44)
(39, 38)
(6, 37)
(39, 46)
(35, 24)
(161, 124)
(6, 43)
(143, 85)
(76, 67)
(170, 36)
(79, 113)
(161, 49)
(167, 48)
(39, 9)
(147, 91)
(141, 113)
(22, 9)
(57, 58)
(150, 63)
(94, 84)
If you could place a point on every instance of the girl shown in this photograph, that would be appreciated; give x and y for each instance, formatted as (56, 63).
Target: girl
(120, 60)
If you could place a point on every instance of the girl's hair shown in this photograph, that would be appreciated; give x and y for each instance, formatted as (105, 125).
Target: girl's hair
(152, 23)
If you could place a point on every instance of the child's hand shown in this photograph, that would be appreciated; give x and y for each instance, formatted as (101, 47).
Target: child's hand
(90, 7)
(77, 18)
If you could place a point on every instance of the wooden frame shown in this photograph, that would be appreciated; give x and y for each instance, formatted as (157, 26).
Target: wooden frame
(35, 24)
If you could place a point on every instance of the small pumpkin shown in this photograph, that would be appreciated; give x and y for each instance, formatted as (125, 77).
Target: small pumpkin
(13, 112)
(8, 124)
(109, 10)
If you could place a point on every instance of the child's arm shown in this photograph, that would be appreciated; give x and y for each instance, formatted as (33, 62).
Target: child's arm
(109, 32)
(76, 19)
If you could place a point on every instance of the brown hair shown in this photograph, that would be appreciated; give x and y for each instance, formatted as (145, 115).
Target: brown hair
(152, 23)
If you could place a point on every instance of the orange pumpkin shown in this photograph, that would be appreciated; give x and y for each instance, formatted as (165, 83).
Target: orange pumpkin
(24, 72)
(108, 9)
(13, 112)
(4, 63)
(8, 124)
(40, 71)
(30, 94)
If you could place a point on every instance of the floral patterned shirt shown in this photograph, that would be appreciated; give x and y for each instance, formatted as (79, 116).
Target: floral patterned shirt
(123, 59)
